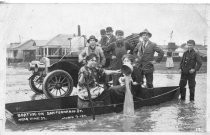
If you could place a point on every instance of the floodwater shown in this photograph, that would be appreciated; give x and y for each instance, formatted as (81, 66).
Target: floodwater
(172, 116)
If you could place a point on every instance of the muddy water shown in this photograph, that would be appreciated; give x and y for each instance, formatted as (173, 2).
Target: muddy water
(171, 116)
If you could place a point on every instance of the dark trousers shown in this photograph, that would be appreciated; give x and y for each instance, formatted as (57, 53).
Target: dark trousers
(115, 79)
(149, 79)
(105, 97)
(190, 78)
(107, 64)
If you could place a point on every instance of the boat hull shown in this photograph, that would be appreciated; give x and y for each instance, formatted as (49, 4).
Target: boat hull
(67, 107)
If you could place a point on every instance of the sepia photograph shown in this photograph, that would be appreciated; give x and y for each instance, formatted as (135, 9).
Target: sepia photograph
(105, 67)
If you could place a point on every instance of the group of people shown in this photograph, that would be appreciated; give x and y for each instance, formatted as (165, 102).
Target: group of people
(104, 59)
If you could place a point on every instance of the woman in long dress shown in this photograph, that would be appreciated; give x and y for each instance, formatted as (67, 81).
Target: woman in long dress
(169, 60)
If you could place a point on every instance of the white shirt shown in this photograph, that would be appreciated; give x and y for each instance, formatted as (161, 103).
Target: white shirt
(145, 44)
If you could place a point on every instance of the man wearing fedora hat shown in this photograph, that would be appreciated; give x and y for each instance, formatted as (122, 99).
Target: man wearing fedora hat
(111, 37)
(145, 52)
(93, 48)
(104, 38)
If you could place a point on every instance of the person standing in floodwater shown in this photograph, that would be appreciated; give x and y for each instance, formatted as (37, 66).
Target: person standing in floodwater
(190, 63)
(169, 60)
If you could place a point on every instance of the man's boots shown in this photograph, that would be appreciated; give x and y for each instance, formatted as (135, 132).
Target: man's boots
(192, 94)
(183, 93)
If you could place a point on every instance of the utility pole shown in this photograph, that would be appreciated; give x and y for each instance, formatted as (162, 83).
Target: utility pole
(171, 35)
(204, 40)
(19, 39)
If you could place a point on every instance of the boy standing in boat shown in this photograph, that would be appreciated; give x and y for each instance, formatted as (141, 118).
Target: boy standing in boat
(88, 79)
(190, 63)
(145, 52)
(93, 48)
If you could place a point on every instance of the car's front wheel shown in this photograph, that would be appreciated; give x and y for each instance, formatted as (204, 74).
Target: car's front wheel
(57, 83)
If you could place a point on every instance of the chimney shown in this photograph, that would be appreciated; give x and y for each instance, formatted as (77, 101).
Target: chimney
(79, 31)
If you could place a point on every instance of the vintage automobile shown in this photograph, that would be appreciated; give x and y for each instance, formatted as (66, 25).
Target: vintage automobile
(55, 76)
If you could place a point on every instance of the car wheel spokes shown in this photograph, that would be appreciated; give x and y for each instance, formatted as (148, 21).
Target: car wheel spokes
(59, 85)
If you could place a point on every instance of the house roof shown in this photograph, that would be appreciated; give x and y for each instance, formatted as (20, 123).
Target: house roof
(165, 47)
(179, 50)
(40, 42)
(29, 45)
(200, 47)
(59, 40)
(12, 45)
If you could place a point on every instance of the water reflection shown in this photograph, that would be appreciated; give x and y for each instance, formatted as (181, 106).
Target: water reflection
(188, 117)
(38, 96)
(128, 123)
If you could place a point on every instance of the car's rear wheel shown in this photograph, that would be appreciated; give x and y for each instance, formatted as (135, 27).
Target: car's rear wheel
(35, 83)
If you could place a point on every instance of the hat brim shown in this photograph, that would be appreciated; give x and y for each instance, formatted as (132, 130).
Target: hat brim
(126, 69)
(92, 38)
(109, 30)
(150, 35)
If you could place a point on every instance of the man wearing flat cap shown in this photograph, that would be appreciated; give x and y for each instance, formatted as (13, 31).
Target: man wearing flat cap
(191, 62)
(93, 48)
(117, 49)
(144, 51)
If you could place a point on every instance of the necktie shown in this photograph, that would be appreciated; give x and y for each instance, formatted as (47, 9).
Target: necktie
(143, 46)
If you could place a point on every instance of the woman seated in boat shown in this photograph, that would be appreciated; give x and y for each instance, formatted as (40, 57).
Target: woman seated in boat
(88, 79)
(118, 92)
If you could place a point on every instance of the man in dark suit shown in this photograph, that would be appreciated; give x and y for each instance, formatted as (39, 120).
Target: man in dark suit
(145, 56)
(104, 38)
(110, 39)
(117, 49)
(191, 62)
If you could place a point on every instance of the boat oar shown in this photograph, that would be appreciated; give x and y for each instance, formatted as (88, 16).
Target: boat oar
(128, 108)
(91, 101)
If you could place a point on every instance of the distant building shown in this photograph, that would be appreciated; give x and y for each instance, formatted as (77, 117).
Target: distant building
(61, 45)
(201, 49)
(179, 52)
(11, 52)
(57, 46)
(24, 52)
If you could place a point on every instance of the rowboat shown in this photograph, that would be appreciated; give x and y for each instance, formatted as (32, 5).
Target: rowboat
(67, 107)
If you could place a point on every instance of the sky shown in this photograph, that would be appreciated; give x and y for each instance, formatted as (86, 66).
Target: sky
(44, 21)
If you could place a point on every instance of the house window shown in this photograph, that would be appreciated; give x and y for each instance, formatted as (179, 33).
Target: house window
(55, 51)
(40, 51)
(15, 53)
